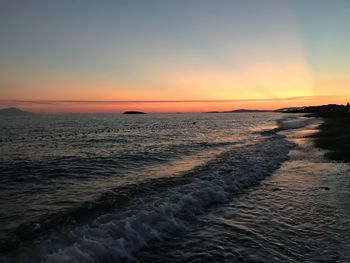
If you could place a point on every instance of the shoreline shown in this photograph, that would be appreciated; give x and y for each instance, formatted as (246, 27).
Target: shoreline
(334, 136)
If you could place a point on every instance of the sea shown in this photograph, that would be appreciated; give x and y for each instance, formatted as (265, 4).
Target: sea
(199, 187)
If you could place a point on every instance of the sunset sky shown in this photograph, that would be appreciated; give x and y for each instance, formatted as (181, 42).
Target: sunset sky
(173, 55)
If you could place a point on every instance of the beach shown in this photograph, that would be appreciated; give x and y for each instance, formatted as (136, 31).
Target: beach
(174, 131)
(334, 136)
(235, 187)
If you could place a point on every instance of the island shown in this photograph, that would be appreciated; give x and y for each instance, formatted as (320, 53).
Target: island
(9, 112)
(134, 112)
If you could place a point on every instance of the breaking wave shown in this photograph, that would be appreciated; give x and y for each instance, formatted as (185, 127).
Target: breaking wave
(292, 123)
(154, 210)
(114, 237)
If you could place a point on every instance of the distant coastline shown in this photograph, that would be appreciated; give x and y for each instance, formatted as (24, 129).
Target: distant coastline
(334, 134)
(9, 112)
(240, 111)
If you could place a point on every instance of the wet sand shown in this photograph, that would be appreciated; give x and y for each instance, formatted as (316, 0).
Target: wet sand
(334, 136)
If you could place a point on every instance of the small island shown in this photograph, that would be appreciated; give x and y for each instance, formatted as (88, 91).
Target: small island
(9, 112)
(134, 112)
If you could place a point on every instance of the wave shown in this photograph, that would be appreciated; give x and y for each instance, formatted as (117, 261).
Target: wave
(115, 236)
(289, 123)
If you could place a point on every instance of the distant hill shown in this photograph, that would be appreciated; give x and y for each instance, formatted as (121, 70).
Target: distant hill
(291, 109)
(134, 112)
(245, 110)
(14, 112)
(240, 111)
(323, 110)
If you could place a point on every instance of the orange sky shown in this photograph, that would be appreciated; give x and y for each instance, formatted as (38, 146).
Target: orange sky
(235, 54)
(163, 106)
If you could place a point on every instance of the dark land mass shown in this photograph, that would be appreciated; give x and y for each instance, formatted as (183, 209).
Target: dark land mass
(330, 110)
(14, 112)
(134, 112)
(239, 111)
(334, 134)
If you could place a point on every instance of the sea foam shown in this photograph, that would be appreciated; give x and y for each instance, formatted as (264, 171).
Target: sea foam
(116, 238)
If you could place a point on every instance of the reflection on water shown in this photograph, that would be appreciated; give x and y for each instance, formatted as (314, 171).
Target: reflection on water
(225, 191)
(62, 163)
(300, 214)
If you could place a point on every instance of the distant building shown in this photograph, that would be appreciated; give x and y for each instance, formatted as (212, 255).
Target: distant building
(348, 106)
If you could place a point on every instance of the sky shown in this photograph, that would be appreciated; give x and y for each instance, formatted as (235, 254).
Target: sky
(173, 55)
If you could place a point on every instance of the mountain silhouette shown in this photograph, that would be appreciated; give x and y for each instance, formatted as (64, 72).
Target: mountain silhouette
(14, 112)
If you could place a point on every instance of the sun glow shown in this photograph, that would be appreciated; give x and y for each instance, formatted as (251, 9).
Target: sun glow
(260, 59)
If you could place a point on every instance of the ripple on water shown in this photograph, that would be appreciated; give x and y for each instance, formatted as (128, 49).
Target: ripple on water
(299, 214)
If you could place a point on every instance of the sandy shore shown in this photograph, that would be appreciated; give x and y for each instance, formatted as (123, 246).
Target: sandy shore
(334, 136)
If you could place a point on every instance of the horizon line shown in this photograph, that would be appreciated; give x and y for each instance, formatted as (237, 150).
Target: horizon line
(169, 101)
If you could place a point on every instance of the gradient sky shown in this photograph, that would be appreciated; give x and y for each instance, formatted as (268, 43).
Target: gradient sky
(74, 55)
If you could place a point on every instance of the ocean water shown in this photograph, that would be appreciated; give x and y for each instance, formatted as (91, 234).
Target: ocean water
(244, 187)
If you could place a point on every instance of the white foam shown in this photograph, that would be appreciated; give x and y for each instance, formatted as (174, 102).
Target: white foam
(117, 238)
(292, 123)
